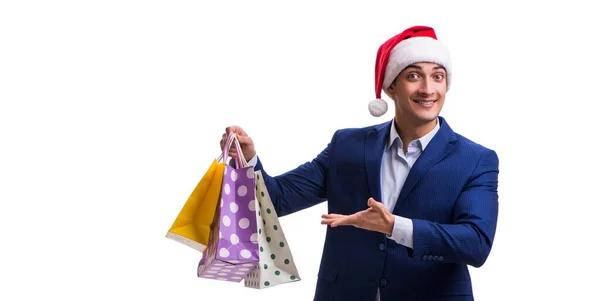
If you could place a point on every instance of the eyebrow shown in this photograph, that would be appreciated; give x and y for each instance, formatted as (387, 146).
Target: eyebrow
(421, 68)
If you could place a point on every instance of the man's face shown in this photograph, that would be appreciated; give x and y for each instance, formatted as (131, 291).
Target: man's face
(419, 92)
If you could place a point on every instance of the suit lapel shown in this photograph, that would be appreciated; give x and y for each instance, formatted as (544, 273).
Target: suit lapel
(374, 146)
(439, 147)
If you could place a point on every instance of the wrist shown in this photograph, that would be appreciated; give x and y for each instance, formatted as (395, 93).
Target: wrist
(389, 229)
(250, 155)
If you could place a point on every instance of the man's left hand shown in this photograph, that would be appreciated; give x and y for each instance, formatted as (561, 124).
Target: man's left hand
(375, 218)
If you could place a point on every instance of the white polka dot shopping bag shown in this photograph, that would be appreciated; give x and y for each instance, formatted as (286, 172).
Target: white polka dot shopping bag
(276, 265)
(232, 251)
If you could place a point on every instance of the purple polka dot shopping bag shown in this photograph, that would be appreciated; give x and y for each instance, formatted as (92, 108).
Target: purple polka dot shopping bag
(232, 251)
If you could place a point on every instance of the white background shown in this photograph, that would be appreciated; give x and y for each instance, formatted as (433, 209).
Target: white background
(111, 111)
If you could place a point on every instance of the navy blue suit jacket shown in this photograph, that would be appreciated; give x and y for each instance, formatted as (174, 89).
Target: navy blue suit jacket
(450, 195)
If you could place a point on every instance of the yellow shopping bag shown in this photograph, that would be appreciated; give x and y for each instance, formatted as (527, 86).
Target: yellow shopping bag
(192, 226)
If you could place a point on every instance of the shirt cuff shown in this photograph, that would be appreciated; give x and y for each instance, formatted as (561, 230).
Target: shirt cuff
(402, 232)
(253, 161)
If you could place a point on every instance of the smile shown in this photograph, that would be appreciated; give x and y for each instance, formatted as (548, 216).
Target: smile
(424, 103)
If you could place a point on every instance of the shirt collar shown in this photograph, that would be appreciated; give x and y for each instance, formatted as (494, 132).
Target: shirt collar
(422, 142)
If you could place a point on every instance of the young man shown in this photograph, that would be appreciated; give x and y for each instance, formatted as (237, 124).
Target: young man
(411, 203)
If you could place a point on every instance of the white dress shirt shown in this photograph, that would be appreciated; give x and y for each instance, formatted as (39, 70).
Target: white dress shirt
(395, 166)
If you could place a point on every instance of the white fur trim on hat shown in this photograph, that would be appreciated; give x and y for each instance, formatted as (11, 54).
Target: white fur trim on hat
(416, 50)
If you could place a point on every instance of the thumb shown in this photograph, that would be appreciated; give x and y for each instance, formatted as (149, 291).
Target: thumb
(243, 139)
(247, 144)
(240, 132)
(374, 204)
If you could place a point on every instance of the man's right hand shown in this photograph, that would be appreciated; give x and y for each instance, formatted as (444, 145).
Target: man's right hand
(245, 142)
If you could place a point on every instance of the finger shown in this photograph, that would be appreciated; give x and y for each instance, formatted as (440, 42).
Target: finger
(340, 222)
(241, 132)
(244, 140)
(372, 203)
(230, 129)
(332, 215)
(344, 221)
(235, 129)
(328, 221)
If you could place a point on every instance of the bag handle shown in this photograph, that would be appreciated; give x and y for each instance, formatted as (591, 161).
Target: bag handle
(233, 141)
(240, 155)
(225, 153)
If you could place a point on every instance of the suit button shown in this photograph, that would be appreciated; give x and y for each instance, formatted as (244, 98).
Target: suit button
(424, 257)
(381, 247)
(383, 282)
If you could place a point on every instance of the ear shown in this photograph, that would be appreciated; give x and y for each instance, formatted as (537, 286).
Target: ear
(389, 92)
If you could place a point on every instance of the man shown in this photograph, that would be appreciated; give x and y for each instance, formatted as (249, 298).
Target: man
(411, 203)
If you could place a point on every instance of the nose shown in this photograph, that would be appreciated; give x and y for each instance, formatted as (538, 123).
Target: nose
(426, 88)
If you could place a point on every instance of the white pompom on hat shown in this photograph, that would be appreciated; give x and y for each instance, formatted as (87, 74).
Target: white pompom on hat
(414, 45)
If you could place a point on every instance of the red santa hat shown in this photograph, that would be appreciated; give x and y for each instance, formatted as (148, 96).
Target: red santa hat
(414, 45)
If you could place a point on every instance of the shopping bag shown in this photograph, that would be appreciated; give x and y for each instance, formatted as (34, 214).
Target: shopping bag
(276, 264)
(192, 225)
(233, 247)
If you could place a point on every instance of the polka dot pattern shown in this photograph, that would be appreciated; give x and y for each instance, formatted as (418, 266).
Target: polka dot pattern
(235, 254)
(237, 218)
(225, 271)
(233, 207)
(250, 173)
(276, 261)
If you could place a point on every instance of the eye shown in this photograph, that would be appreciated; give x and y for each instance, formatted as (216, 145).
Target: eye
(412, 76)
(438, 76)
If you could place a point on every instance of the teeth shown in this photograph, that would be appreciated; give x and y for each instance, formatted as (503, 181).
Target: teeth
(427, 103)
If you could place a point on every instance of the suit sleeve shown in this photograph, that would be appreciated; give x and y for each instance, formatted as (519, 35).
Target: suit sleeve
(302, 187)
(469, 239)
